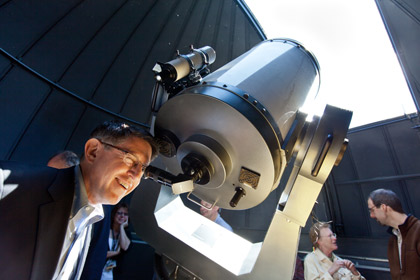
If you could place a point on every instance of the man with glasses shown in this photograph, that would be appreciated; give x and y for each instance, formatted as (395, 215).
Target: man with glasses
(47, 214)
(404, 243)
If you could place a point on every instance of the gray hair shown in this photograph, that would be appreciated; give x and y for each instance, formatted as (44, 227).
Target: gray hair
(315, 232)
(115, 131)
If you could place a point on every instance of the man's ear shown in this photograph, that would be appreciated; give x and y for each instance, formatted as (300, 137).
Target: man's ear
(91, 149)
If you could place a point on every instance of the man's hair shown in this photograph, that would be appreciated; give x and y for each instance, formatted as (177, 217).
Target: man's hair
(315, 232)
(387, 197)
(115, 132)
(68, 158)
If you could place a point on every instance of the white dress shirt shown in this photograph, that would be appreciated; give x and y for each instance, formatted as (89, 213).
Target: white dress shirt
(78, 234)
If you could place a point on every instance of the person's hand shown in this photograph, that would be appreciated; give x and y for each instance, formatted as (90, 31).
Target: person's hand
(337, 264)
(116, 252)
(111, 254)
(125, 224)
(350, 266)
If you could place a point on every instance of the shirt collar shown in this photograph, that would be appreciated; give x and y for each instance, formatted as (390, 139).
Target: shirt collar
(406, 221)
(322, 257)
(81, 199)
(394, 231)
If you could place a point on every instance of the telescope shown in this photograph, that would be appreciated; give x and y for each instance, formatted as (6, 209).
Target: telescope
(226, 137)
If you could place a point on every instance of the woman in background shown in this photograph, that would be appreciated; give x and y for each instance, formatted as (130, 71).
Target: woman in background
(118, 240)
(322, 263)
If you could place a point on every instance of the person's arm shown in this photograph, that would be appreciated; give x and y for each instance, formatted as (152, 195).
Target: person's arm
(124, 240)
(111, 254)
(313, 269)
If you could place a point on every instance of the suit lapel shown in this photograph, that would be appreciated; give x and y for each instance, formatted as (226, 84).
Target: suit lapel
(52, 225)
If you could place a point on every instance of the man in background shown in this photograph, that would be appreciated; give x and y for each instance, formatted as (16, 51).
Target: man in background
(213, 214)
(404, 244)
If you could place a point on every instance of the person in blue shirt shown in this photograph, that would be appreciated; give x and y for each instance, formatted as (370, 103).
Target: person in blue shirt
(213, 214)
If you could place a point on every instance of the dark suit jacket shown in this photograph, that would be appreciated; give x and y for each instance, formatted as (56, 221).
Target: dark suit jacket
(33, 218)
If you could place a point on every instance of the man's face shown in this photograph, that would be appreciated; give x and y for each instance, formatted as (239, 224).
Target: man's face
(209, 214)
(110, 177)
(327, 241)
(377, 213)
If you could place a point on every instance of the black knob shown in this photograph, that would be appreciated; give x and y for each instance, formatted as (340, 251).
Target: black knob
(239, 193)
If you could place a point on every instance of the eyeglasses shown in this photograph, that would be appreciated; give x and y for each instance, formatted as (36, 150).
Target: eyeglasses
(371, 209)
(129, 159)
(122, 214)
(331, 235)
